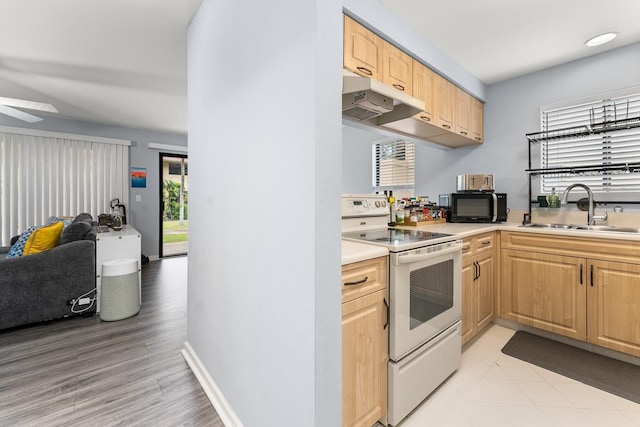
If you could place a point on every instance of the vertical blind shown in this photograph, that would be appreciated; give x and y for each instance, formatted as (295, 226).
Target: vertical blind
(616, 146)
(44, 174)
(394, 164)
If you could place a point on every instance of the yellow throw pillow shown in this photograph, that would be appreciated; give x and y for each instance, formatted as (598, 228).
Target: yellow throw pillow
(43, 239)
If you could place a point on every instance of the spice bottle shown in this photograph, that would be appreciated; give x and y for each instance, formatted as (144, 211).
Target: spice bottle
(392, 209)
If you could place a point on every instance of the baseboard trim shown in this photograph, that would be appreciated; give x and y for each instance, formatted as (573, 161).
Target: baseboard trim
(220, 404)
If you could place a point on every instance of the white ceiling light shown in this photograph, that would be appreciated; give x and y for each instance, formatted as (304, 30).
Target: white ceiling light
(601, 39)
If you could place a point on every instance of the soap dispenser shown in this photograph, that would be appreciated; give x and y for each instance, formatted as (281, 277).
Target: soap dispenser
(553, 199)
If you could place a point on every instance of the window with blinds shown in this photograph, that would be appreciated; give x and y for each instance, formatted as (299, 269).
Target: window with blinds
(610, 145)
(45, 174)
(394, 164)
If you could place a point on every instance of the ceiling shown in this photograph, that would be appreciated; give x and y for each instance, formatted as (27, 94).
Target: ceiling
(496, 40)
(124, 62)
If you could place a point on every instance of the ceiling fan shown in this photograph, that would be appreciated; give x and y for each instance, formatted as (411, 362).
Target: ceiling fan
(7, 107)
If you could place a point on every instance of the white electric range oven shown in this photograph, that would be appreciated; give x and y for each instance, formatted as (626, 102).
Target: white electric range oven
(425, 287)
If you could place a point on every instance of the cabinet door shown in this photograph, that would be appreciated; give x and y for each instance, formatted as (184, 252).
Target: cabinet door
(423, 89)
(485, 285)
(397, 68)
(469, 271)
(545, 291)
(462, 117)
(614, 306)
(362, 50)
(444, 101)
(364, 360)
(477, 120)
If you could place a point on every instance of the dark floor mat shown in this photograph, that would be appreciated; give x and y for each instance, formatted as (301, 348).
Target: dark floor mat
(611, 375)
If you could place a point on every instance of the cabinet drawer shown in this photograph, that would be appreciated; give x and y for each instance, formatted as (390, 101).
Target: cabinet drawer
(478, 244)
(362, 278)
(484, 243)
(467, 247)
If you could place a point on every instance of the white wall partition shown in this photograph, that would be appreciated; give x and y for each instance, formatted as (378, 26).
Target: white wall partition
(264, 308)
(46, 173)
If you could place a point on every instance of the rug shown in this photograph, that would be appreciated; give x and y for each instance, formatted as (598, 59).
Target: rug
(611, 375)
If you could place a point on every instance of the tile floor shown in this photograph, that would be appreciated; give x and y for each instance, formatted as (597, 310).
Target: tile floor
(496, 390)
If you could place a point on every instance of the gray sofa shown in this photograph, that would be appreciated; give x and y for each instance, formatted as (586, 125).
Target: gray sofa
(38, 287)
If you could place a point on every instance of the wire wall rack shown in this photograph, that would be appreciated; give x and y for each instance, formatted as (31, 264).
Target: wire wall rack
(585, 130)
(592, 170)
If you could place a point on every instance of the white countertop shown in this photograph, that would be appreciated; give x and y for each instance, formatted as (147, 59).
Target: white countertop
(354, 252)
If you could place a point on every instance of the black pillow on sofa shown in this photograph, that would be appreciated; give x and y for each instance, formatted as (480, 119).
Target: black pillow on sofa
(75, 231)
(84, 217)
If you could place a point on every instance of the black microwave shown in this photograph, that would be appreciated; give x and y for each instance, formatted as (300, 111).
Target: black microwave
(477, 207)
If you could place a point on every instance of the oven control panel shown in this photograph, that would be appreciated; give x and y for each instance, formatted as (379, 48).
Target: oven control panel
(354, 205)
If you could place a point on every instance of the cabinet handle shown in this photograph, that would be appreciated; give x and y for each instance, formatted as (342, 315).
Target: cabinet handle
(466, 248)
(486, 243)
(425, 118)
(463, 133)
(581, 274)
(365, 70)
(476, 271)
(446, 126)
(399, 87)
(359, 282)
(478, 138)
(479, 269)
(591, 276)
(386, 305)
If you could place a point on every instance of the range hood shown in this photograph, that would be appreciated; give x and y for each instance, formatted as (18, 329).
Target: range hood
(365, 99)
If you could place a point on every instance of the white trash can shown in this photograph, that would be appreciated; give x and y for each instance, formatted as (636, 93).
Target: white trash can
(119, 293)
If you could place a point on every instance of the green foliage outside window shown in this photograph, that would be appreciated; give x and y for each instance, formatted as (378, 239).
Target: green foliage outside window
(172, 201)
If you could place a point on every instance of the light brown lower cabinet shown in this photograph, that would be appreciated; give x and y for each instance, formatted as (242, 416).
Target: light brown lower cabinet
(588, 299)
(613, 299)
(478, 284)
(364, 343)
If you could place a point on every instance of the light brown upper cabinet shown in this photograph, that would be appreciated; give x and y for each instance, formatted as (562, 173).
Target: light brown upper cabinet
(397, 68)
(452, 117)
(423, 89)
(362, 50)
(462, 118)
(477, 120)
(444, 103)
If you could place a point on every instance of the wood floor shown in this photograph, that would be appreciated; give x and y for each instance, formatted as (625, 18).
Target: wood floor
(84, 371)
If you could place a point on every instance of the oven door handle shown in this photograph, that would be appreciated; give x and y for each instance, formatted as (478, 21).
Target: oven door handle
(406, 259)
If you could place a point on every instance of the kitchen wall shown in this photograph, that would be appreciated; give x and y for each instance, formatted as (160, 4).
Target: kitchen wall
(264, 305)
(145, 214)
(511, 111)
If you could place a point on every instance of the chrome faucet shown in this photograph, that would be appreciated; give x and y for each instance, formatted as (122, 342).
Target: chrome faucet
(591, 218)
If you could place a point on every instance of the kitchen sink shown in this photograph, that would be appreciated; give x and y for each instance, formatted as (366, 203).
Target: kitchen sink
(608, 228)
(562, 226)
(605, 228)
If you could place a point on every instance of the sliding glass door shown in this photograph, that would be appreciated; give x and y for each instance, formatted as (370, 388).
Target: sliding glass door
(174, 221)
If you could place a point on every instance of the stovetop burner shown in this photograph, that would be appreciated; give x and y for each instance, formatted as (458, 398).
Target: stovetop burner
(394, 238)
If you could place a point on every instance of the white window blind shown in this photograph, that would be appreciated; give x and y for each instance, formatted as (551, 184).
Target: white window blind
(616, 145)
(44, 174)
(394, 164)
